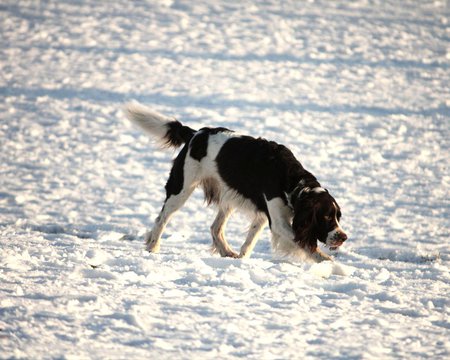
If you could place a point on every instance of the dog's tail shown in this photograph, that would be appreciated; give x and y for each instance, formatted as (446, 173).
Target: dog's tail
(167, 130)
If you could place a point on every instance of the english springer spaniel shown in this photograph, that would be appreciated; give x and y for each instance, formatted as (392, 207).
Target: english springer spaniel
(241, 172)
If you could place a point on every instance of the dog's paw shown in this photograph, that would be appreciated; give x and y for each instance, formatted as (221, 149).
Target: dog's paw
(151, 244)
(243, 255)
(319, 256)
(230, 253)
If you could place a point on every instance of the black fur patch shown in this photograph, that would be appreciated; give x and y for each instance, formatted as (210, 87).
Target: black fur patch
(176, 178)
(178, 134)
(199, 144)
(257, 168)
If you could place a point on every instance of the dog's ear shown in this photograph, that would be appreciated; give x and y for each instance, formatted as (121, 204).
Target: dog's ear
(304, 225)
(305, 238)
(305, 235)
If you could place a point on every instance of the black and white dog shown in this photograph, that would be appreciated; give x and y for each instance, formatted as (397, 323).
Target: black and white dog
(241, 172)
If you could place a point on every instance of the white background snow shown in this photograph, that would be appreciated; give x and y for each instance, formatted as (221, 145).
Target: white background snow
(359, 90)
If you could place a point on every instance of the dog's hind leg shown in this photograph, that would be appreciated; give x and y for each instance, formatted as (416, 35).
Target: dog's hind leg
(256, 226)
(171, 205)
(179, 187)
(220, 244)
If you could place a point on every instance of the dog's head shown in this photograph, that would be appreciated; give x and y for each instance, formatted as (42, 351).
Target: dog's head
(316, 217)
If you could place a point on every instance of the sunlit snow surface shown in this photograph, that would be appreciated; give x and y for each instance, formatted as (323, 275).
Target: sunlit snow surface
(359, 90)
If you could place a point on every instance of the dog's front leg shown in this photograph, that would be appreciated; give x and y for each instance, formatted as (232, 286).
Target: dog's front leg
(220, 244)
(280, 219)
(283, 235)
(252, 237)
(319, 256)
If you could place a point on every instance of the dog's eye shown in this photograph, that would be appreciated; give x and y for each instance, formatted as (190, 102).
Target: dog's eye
(328, 218)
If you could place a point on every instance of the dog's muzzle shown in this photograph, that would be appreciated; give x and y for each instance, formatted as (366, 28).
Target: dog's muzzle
(336, 238)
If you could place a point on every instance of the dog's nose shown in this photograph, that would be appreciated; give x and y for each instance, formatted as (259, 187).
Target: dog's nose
(343, 236)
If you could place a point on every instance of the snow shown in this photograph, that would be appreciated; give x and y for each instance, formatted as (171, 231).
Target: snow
(359, 90)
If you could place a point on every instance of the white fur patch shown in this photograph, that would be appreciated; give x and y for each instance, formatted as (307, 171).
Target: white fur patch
(152, 122)
(228, 198)
(332, 236)
(318, 190)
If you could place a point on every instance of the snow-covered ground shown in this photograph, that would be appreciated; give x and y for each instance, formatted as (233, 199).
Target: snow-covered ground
(359, 90)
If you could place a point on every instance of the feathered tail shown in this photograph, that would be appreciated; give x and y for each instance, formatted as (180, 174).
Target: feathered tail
(167, 130)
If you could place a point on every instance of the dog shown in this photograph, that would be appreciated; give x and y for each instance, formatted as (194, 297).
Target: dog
(237, 171)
